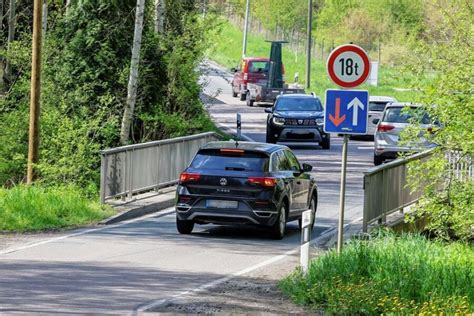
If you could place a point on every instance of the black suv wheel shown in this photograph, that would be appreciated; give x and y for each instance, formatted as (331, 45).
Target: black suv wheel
(279, 228)
(269, 138)
(378, 160)
(326, 143)
(184, 227)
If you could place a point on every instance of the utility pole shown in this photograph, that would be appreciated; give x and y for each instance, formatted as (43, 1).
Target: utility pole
(33, 138)
(308, 44)
(246, 27)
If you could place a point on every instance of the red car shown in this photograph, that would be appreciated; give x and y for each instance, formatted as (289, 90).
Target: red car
(250, 70)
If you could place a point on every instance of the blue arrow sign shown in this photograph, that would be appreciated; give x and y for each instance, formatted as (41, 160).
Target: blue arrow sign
(346, 111)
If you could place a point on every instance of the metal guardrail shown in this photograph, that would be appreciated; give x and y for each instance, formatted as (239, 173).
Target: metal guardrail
(386, 187)
(132, 169)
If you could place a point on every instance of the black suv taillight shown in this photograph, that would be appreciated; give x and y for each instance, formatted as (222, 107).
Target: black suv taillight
(189, 177)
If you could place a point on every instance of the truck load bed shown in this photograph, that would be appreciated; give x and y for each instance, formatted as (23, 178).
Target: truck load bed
(261, 93)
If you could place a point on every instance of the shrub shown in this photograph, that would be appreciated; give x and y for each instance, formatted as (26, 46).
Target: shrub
(448, 99)
(389, 274)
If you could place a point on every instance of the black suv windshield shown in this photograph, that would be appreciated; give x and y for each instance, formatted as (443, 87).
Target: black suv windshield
(230, 159)
(298, 104)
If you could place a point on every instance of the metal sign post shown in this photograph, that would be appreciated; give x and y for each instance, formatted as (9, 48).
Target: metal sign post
(239, 126)
(246, 27)
(342, 197)
(346, 111)
(305, 239)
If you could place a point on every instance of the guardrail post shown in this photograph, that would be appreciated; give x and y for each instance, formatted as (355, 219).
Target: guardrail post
(103, 177)
(130, 174)
(366, 206)
(386, 196)
(125, 177)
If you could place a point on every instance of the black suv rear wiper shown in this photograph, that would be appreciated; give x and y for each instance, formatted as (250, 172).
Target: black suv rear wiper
(235, 168)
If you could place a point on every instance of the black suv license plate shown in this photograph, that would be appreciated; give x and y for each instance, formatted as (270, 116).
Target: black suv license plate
(221, 204)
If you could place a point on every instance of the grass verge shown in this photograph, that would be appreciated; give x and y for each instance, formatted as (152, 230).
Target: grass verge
(31, 208)
(389, 274)
(227, 51)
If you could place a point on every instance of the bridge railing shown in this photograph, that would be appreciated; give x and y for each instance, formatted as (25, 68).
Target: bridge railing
(133, 169)
(386, 187)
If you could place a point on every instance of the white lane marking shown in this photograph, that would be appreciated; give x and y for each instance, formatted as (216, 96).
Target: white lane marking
(371, 148)
(165, 212)
(203, 287)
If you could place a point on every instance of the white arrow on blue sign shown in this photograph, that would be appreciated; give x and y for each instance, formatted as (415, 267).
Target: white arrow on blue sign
(346, 111)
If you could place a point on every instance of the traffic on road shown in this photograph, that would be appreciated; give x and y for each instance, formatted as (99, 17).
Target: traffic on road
(231, 183)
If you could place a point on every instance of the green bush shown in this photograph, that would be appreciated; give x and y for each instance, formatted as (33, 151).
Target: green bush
(86, 62)
(27, 208)
(448, 99)
(389, 274)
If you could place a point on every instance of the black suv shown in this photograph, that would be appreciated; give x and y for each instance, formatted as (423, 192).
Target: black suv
(245, 183)
(297, 118)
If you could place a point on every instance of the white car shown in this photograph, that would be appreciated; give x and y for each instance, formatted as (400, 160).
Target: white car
(394, 120)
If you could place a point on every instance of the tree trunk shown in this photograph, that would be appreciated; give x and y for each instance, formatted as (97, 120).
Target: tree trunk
(68, 7)
(133, 79)
(45, 17)
(2, 83)
(1, 16)
(11, 35)
(160, 15)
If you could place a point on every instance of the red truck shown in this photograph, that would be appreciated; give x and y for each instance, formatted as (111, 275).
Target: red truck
(250, 70)
(262, 80)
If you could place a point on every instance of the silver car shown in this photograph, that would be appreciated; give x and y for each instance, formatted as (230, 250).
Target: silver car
(395, 119)
(376, 106)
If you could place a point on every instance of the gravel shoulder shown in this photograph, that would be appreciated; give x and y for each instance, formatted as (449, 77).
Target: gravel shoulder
(255, 293)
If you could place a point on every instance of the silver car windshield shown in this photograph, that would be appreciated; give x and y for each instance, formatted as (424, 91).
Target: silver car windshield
(405, 115)
(377, 106)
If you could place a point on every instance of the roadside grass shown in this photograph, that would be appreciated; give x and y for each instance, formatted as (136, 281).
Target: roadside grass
(32, 208)
(389, 274)
(227, 51)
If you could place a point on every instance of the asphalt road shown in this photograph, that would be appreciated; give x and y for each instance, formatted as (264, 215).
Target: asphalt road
(124, 268)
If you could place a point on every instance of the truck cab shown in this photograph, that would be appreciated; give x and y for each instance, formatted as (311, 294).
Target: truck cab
(250, 70)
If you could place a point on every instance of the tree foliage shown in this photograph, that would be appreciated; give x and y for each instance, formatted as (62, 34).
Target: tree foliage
(448, 99)
(86, 60)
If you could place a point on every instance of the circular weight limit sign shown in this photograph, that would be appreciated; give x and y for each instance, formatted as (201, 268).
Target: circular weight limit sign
(348, 66)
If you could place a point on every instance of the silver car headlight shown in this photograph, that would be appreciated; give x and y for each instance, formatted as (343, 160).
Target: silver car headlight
(278, 121)
(319, 121)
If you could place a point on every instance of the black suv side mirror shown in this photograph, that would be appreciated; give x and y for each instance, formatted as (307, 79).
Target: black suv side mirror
(376, 121)
(268, 110)
(307, 168)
